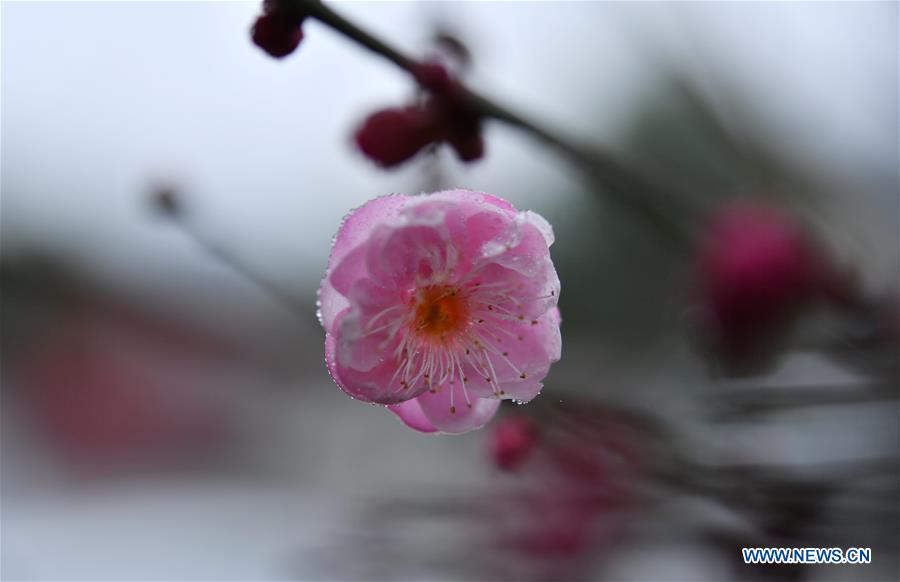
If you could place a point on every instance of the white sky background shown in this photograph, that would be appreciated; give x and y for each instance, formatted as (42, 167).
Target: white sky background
(100, 98)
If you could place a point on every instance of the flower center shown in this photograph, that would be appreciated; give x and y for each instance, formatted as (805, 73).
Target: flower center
(439, 310)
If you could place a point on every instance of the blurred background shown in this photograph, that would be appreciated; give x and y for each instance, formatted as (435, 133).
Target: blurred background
(169, 194)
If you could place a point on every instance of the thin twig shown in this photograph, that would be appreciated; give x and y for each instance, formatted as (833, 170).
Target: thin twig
(280, 296)
(740, 404)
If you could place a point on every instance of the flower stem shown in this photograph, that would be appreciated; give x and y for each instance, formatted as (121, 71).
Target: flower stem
(630, 189)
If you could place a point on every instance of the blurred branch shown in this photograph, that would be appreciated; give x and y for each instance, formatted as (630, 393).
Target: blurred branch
(168, 204)
(629, 188)
(739, 403)
(226, 258)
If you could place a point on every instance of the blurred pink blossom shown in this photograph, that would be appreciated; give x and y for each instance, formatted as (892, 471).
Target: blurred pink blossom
(440, 306)
(758, 268)
(512, 441)
(575, 497)
(114, 388)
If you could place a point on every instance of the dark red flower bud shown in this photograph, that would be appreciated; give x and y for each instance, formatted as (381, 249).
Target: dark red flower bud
(277, 32)
(459, 126)
(392, 136)
(468, 147)
(512, 440)
(435, 78)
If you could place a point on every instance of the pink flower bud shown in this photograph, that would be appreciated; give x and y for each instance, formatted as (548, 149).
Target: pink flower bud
(758, 267)
(512, 441)
(277, 32)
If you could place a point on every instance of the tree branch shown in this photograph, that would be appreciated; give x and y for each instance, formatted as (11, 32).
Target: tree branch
(632, 191)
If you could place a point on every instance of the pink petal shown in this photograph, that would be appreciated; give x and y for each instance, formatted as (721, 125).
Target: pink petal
(540, 346)
(330, 303)
(360, 222)
(409, 255)
(461, 417)
(349, 270)
(411, 414)
(541, 224)
(526, 252)
(354, 230)
(476, 200)
(471, 219)
(372, 385)
(535, 295)
(361, 350)
(477, 230)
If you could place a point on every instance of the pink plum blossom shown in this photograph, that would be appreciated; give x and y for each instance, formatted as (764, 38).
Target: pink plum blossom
(440, 306)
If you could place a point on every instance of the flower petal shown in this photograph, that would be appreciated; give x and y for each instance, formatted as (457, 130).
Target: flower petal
(522, 248)
(415, 254)
(532, 355)
(355, 229)
(412, 416)
(377, 384)
(542, 226)
(515, 293)
(478, 200)
(459, 417)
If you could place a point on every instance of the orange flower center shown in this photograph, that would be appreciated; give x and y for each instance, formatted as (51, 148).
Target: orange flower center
(439, 310)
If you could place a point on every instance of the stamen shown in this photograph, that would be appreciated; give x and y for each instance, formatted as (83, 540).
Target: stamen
(382, 313)
(446, 328)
